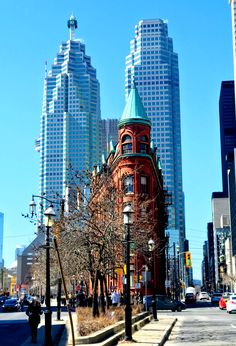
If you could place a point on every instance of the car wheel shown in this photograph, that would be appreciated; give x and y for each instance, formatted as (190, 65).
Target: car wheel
(230, 312)
(173, 310)
(179, 309)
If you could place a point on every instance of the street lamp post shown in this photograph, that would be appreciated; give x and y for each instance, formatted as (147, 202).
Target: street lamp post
(127, 212)
(49, 220)
(151, 248)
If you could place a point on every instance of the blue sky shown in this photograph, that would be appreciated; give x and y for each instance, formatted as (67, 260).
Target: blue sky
(31, 32)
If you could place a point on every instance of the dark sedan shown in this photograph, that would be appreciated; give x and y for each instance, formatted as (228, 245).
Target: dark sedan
(11, 304)
(163, 303)
(3, 299)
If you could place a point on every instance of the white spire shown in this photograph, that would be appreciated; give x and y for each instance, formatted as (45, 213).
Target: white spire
(72, 25)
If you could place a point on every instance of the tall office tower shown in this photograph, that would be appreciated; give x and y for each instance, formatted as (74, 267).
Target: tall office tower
(227, 129)
(233, 16)
(1, 239)
(109, 134)
(70, 117)
(153, 65)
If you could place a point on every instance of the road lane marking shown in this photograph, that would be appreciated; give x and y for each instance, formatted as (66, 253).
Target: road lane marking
(233, 326)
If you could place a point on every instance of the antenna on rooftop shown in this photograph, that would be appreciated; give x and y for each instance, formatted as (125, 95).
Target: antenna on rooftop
(72, 25)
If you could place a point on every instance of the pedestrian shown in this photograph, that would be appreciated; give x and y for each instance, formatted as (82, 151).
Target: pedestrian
(34, 311)
(115, 298)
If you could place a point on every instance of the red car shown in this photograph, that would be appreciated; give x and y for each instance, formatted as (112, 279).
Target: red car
(223, 300)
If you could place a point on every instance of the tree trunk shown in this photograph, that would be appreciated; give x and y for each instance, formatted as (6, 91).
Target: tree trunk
(106, 293)
(102, 294)
(95, 309)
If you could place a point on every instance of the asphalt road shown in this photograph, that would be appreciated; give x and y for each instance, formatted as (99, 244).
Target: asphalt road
(14, 329)
(203, 324)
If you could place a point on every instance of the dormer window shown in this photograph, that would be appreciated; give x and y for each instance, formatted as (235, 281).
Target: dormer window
(144, 146)
(127, 147)
(144, 139)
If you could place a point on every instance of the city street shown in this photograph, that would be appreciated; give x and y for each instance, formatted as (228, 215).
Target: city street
(205, 325)
(14, 329)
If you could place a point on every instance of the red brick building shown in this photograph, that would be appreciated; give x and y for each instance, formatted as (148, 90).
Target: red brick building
(135, 169)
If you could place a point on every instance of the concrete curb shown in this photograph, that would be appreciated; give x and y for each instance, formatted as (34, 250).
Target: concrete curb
(113, 339)
(167, 332)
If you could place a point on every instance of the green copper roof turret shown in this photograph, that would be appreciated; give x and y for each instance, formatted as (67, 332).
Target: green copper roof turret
(134, 111)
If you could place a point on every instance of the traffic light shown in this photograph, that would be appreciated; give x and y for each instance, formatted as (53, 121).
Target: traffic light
(188, 259)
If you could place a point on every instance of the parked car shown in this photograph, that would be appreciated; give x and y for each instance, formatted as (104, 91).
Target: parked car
(231, 304)
(163, 303)
(3, 299)
(203, 296)
(190, 298)
(215, 298)
(223, 300)
(11, 304)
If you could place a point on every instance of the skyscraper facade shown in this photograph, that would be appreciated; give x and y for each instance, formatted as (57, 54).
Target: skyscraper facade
(109, 131)
(233, 16)
(153, 65)
(70, 120)
(227, 130)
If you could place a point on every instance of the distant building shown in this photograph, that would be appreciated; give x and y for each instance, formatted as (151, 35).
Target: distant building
(109, 132)
(233, 15)
(24, 263)
(19, 250)
(232, 201)
(211, 257)
(221, 231)
(205, 268)
(227, 129)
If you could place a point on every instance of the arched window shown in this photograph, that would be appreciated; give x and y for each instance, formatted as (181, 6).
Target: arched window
(127, 147)
(144, 146)
(126, 138)
(144, 139)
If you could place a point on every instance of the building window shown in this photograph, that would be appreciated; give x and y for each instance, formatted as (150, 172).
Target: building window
(128, 184)
(127, 147)
(144, 184)
(143, 148)
(126, 138)
(144, 139)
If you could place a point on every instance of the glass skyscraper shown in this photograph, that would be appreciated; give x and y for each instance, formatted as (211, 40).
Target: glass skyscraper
(70, 120)
(153, 65)
(233, 16)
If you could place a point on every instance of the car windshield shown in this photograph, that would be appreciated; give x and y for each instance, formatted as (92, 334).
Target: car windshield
(233, 297)
(217, 295)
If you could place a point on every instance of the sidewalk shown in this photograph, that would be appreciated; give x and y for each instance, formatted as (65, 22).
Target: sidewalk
(154, 333)
(57, 331)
